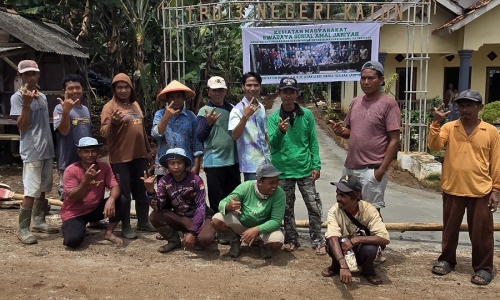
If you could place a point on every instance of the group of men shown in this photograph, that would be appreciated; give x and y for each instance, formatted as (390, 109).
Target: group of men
(273, 154)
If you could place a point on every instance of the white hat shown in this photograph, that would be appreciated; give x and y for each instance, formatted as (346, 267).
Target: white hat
(216, 82)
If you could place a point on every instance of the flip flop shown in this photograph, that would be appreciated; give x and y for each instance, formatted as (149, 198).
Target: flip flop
(320, 250)
(328, 272)
(485, 275)
(374, 279)
(291, 247)
(100, 225)
(444, 265)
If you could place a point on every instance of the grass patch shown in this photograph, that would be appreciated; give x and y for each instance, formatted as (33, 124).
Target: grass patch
(433, 177)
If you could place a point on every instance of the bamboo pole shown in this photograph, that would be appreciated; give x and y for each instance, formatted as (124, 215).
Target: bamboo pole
(402, 227)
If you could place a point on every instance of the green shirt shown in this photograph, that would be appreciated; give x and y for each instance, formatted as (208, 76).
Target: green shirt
(295, 153)
(266, 214)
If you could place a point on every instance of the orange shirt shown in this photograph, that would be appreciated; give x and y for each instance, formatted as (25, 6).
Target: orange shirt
(471, 166)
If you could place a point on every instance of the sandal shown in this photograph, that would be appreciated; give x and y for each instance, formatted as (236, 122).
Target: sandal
(320, 250)
(445, 268)
(481, 277)
(328, 272)
(291, 247)
(374, 279)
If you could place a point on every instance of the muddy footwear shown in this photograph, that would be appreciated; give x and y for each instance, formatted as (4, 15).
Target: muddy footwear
(264, 252)
(235, 249)
(170, 235)
(39, 224)
(23, 233)
(142, 210)
(127, 231)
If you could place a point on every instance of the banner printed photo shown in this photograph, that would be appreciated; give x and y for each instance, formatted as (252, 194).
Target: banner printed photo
(310, 53)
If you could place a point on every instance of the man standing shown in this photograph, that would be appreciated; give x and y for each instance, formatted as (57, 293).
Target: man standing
(295, 151)
(253, 213)
(179, 204)
(470, 180)
(353, 225)
(175, 126)
(248, 126)
(30, 109)
(129, 150)
(372, 126)
(84, 186)
(220, 160)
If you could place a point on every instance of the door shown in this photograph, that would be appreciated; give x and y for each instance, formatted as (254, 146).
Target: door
(492, 84)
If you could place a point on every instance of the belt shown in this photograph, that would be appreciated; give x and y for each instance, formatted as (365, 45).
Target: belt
(375, 167)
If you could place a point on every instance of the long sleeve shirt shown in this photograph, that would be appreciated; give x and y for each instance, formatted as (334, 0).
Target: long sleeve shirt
(471, 166)
(185, 198)
(266, 214)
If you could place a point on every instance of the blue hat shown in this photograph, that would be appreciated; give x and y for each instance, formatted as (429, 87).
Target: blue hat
(175, 153)
(88, 142)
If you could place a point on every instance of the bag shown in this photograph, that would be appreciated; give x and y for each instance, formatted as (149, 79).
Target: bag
(362, 230)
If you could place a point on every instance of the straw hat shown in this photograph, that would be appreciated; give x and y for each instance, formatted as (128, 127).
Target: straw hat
(175, 86)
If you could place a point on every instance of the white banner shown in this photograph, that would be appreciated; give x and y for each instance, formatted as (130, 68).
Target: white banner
(310, 53)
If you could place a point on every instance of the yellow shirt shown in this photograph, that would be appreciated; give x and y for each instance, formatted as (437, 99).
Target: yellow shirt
(471, 166)
(340, 225)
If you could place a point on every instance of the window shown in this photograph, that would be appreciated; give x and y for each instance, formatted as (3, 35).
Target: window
(401, 83)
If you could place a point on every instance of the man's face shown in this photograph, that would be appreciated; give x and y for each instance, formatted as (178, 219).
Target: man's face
(88, 155)
(344, 200)
(469, 110)
(176, 166)
(370, 82)
(30, 77)
(177, 98)
(251, 88)
(122, 91)
(217, 95)
(288, 96)
(74, 90)
(267, 185)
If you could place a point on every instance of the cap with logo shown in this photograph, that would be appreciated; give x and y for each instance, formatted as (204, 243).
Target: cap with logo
(288, 83)
(27, 65)
(267, 170)
(348, 183)
(471, 95)
(88, 142)
(216, 82)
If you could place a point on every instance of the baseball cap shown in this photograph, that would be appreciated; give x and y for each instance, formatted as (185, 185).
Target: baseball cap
(27, 65)
(288, 83)
(373, 65)
(348, 183)
(175, 153)
(267, 170)
(472, 95)
(88, 142)
(216, 82)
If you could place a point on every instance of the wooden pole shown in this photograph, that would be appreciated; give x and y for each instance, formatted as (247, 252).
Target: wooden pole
(402, 227)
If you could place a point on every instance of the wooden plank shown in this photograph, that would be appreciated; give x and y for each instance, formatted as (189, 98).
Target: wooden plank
(11, 204)
(9, 137)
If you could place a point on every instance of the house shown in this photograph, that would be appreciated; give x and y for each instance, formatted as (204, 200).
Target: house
(463, 33)
(55, 50)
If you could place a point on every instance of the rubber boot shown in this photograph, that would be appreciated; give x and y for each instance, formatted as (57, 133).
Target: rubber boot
(127, 231)
(264, 252)
(23, 233)
(39, 224)
(234, 240)
(142, 211)
(171, 236)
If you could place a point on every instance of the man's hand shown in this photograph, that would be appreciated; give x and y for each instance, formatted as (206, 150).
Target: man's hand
(378, 174)
(493, 201)
(27, 96)
(170, 112)
(347, 245)
(439, 114)
(91, 173)
(234, 205)
(68, 104)
(283, 125)
(249, 110)
(345, 276)
(188, 241)
(117, 117)
(149, 182)
(211, 117)
(338, 127)
(195, 170)
(315, 174)
(250, 235)
(109, 208)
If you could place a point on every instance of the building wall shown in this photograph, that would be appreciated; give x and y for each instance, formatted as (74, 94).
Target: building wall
(483, 30)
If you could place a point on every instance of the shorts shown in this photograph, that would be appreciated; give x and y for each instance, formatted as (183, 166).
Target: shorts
(232, 222)
(373, 191)
(37, 177)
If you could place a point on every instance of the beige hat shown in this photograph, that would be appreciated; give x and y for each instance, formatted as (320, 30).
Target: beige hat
(175, 86)
(27, 65)
(216, 82)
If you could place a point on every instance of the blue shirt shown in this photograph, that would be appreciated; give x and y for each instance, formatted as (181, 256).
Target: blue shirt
(179, 133)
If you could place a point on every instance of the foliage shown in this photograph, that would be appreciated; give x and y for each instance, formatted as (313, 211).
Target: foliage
(491, 113)
(389, 83)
